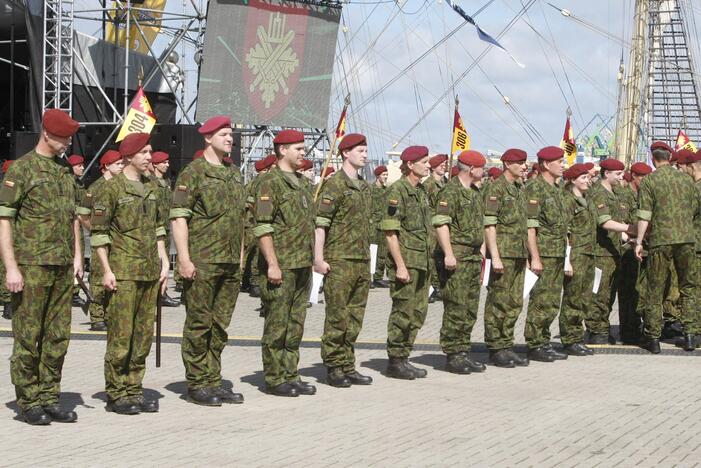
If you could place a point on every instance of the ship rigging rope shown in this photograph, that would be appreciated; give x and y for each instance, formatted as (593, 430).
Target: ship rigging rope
(466, 72)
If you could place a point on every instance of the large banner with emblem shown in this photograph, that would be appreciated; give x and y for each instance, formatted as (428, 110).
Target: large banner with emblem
(268, 62)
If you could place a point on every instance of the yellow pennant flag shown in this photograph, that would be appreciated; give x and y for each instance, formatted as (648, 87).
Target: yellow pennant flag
(683, 141)
(140, 118)
(568, 144)
(147, 14)
(461, 140)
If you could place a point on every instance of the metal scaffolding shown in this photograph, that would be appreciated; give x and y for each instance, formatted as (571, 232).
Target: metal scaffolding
(57, 73)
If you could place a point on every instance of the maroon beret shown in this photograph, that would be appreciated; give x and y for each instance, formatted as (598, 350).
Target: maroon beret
(110, 157)
(76, 160)
(351, 141)
(697, 156)
(306, 164)
(454, 171)
(6, 165)
(59, 123)
(612, 165)
(551, 153)
(589, 166)
(674, 157)
(660, 145)
(472, 158)
(640, 168)
(379, 170)
(198, 154)
(214, 124)
(414, 153)
(685, 156)
(494, 172)
(265, 163)
(575, 171)
(514, 155)
(158, 157)
(288, 137)
(627, 177)
(437, 160)
(133, 143)
(329, 170)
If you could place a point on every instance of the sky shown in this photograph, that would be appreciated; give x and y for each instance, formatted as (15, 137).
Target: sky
(570, 66)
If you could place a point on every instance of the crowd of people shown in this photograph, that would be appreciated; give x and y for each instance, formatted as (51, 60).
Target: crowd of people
(587, 234)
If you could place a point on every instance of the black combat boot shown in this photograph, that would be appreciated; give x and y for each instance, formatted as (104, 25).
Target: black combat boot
(336, 378)
(518, 360)
(304, 388)
(59, 415)
(686, 342)
(8, 311)
(285, 389)
(167, 301)
(356, 378)
(575, 350)
(455, 364)
(540, 354)
(98, 326)
(144, 405)
(651, 344)
(77, 300)
(435, 296)
(559, 356)
(36, 416)
(122, 406)
(397, 369)
(501, 358)
(474, 366)
(254, 291)
(418, 372)
(203, 396)
(226, 396)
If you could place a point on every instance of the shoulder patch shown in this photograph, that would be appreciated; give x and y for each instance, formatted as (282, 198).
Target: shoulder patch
(180, 195)
(442, 208)
(8, 191)
(393, 202)
(532, 202)
(9, 183)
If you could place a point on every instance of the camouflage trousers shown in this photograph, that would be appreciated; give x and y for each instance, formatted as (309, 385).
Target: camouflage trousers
(504, 303)
(132, 311)
(97, 308)
(544, 302)
(41, 327)
(346, 294)
(629, 319)
(409, 308)
(250, 269)
(598, 319)
(286, 310)
(576, 298)
(381, 261)
(683, 256)
(642, 289)
(671, 307)
(461, 297)
(211, 298)
(5, 295)
(437, 265)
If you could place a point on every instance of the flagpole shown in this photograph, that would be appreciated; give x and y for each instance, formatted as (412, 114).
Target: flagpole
(327, 161)
(450, 159)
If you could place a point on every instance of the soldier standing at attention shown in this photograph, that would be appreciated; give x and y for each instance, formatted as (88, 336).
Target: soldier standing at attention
(579, 272)
(207, 217)
(111, 164)
(5, 296)
(611, 213)
(342, 253)
(547, 242)
(668, 203)
(408, 233)
(379, 205)
(40, 246)
(458, 222)
(284, 227)
(432, 185)
(129, 237)
(160, 163)
(695, 170)
(505, 234)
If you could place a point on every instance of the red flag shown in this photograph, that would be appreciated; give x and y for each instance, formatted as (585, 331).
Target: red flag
(341, 127)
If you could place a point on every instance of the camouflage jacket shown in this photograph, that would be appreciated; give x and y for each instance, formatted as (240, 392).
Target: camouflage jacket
(379, 204)
(581, 223)
(462, 209)
(79, 191)
(86, 203)
(126, 217)
(697, 218)
(344, 207)
(551, 222)
(505, 207)
(607, 206)
(408, 212)
(432, 187)
(630, 198)
(284, 209)
(668, 199)
(165, 195)
(212, 200)
(38, 193)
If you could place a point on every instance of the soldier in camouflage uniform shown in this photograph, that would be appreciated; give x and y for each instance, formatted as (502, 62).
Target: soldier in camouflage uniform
(5, 296)
(579, 270)
(667, 204)
(379, 205)
(458, 222)
(695, 170)
(40, 246)
(407, 226)
(547, 241)
(284, 227)
(506, 231)
(208, 221)
(342, 253)
(128, 234)
(611, 213)
(77, 164)
(111, 164)
(432, 185)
